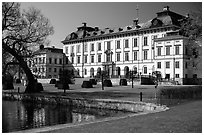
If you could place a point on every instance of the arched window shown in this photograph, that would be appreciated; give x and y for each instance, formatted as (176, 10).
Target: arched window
(118, 71)
(135, 70)
(99, 70)
(92, 72)
(126, 70)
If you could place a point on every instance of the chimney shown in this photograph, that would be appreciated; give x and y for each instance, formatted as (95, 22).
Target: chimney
(96, 29)
(187, 15)
(166, 8)
(84, 24)
(135, 22)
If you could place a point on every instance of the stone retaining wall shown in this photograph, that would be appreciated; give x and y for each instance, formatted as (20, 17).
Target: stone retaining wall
(92, 103)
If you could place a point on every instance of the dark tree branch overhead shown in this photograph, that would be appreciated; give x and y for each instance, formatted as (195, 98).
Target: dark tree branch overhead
(22, 31)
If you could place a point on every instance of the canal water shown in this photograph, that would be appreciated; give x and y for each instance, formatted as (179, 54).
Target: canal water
(17, 115)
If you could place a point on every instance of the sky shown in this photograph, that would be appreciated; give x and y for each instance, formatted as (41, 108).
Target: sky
(65, 17)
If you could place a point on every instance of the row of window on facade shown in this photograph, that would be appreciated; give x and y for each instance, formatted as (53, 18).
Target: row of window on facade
(42, 69)
(99, 47)
(168, 50)
(51, 61)
(126, 56)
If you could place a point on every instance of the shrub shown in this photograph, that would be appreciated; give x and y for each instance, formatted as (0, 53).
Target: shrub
(93, 81)
(181, 92)
(107, 83)
(146, 81)
(53, 81)
(123, 82)
(86, 84)
(61, 86)
(39, 87)
(56, 84)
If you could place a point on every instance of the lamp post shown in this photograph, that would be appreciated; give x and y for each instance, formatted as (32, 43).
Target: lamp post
(132, 78)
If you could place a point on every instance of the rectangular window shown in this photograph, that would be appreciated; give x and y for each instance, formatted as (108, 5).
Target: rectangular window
(99, 46)
(145, 41)
(40, 60)
(186, 51)
(50, 60)
(72, 49)
(193, 63)
(92, 58)
(168, 50)
(92, 47)
(177, 75)
(159, 51)
(177, 64)
(72, 58)
(194, 75)
(145, 54)
(145, 70)
(126, 56)
(85, 48)
(43, 70)
(50, 69)
(99, 58)
(85, 58)
(67, 60)
(78, 48)
(55, 70)
(177, 50)
(118, 44)
(85, 71)
(186, 75)
(43, 60)
(66, 50)
(108, 57)
(135, 42)
(60, 61)
(55, 61)
(108, 45)
(186, 65)
(168, 64)
(78, 59)
(118, 56)
(135, 55)
(158, 64)
(126, 43)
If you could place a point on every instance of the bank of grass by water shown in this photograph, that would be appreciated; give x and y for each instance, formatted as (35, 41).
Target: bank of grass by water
(185, 117)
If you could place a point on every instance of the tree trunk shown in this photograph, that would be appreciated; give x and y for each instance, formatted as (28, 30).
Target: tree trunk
(32, 84)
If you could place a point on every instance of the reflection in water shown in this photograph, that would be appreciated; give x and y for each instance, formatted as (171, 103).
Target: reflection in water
(20, 115)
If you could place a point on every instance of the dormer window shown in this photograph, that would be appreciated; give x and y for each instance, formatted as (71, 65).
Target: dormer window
(120, 29)
(129, 28)
(110, 31)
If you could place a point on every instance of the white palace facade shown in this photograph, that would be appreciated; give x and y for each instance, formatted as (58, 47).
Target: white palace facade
(141, 47)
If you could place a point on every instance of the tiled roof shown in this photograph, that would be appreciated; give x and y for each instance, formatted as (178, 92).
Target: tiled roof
(45, 50)
(165, 20)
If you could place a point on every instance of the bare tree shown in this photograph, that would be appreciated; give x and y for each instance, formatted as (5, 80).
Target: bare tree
(21, 32)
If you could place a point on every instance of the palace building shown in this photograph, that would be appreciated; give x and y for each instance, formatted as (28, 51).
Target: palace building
(145, 48)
